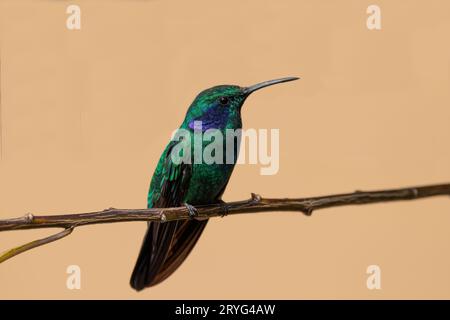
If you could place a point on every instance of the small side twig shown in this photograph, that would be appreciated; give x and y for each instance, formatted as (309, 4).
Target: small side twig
(34, 244)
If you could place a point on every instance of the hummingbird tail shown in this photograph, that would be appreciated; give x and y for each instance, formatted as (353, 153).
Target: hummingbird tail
(165, 247)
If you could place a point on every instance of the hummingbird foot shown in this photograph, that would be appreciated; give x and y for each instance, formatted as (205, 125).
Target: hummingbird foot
(224, 207)
(193, 213)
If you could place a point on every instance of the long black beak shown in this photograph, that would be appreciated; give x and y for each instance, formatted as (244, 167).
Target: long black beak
(264, 84)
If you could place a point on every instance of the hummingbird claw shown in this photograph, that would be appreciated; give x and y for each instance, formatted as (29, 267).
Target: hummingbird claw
(193, 213)
(225, 208)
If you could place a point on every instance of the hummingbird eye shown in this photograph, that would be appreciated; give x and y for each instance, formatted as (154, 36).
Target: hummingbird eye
(223, 101)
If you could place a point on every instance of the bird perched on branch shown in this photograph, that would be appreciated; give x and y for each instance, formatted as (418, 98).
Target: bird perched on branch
(177, 183)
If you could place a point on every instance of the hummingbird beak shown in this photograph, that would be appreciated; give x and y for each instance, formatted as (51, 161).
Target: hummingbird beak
(264, 84)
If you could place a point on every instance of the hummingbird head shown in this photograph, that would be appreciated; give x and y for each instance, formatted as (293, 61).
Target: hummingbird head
(219, 107)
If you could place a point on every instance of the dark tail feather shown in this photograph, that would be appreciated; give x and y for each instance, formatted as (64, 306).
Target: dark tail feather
(165, 247)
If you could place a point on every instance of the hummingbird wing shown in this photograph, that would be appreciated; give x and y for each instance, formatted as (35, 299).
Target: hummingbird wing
(166, 245)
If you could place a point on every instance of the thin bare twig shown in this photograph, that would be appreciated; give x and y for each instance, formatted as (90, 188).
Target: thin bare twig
(255, 204)
(34, 244)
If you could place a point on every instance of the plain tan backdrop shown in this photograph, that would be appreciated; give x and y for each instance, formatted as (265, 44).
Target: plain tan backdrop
(86, 114)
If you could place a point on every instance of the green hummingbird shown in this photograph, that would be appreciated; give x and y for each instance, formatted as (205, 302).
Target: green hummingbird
(177, 183)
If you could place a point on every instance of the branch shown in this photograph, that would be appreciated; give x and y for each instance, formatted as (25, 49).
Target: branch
(34, 244)
(255, 204)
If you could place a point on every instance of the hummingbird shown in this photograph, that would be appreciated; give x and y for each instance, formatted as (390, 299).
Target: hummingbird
(167, 244)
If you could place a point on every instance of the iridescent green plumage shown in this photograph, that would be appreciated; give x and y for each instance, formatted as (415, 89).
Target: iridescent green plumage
(166, 245)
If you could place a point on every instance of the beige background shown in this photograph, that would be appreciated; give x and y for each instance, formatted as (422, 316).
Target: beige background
(85, 115)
